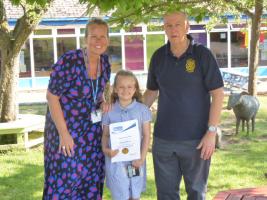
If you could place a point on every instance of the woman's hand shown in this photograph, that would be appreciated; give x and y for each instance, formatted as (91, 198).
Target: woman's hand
(138, 163)
(110, 153)
(66, 145)
(105, 107)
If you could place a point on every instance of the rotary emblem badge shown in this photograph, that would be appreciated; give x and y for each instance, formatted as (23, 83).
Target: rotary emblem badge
(190, 65)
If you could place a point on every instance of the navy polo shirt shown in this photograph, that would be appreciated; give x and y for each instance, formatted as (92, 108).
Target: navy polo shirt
(184, 84)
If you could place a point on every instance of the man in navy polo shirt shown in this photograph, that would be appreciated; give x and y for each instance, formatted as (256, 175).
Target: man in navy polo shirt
(186, 79)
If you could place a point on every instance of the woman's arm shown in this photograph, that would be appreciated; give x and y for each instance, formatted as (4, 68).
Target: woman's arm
(144, 145)
(66, 141)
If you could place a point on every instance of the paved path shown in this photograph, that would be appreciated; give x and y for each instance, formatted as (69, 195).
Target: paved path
(31, 96)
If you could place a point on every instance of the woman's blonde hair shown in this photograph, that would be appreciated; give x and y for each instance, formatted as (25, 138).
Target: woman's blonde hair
(95, 21)
(137, 95)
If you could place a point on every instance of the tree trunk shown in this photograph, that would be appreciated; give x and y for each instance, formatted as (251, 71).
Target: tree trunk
(254, 47)
(8, 86)
(10, 46)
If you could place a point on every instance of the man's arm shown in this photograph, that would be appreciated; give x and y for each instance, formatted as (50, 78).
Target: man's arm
(150, 96)
(207, 144)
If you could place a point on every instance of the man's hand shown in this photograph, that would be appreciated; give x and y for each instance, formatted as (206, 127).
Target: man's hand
(207, 145)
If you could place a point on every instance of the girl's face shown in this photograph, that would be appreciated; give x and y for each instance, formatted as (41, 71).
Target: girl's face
(97, 39)
(125, 88)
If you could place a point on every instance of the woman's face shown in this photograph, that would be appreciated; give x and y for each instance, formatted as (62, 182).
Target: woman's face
(97, 39)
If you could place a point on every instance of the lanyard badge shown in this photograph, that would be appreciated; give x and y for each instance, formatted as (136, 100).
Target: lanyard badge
(96, 114)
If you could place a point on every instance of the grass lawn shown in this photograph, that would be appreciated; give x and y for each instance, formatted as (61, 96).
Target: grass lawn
(242, 162)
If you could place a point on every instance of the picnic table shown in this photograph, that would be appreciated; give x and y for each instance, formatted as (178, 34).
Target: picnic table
(25, 124)
(259, 193)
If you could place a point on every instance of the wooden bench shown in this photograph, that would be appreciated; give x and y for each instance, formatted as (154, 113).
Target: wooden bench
(259, 193)
(25, 124)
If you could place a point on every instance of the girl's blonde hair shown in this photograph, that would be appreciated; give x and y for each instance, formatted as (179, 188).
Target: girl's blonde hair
(137, 95)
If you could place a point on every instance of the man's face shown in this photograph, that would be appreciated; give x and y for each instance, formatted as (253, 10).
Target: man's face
(176, 27)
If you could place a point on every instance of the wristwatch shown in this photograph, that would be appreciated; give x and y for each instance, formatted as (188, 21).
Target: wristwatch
(212, 129)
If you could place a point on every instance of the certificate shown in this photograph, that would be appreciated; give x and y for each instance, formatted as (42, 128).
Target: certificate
(125, 137)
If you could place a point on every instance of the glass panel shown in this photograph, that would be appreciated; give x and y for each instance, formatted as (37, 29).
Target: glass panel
(263, 48)
(239, 51)
(239, 25)
(200, 38)
(43, 56)
(220, 26)
(136, 29)
(42, 32)
(197, 27)
(114, 52)
(65, 44)
(154, 28)
(82, 42)
(218, 46)
(114, 29)
(153, 42)
(65, 31)
(24, 61)
(134, 53)
(82, 31)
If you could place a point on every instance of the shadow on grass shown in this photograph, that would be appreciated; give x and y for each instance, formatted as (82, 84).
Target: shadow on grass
(21, 181)
(242, 165)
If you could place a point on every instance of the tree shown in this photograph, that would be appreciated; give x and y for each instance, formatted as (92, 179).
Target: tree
(11, 42)
(134, 12)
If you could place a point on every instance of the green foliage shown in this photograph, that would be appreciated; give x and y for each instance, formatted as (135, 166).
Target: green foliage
(129, 13)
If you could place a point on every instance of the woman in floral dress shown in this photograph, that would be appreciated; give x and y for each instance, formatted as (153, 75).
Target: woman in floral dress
(72, 148)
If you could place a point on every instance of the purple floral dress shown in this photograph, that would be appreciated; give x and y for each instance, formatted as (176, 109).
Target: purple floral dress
(80, 176)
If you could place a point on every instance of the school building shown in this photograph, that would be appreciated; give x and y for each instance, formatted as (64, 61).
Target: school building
(63, 28)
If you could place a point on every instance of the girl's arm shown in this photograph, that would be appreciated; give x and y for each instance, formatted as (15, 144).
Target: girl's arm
(105, 140)
(145, 145)
(106, 105)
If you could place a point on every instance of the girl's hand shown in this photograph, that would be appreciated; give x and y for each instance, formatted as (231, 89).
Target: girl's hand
(110, 153)
(66, 145)
(137, 163)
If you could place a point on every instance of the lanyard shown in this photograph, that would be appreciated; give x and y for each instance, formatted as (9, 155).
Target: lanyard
(94, 87)
(95, 90)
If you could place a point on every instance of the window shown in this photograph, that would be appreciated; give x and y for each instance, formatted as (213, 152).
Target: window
(200, 38)
(263, 48)
(153, 42)
(24, 61)
(42, 32)
(239, 51)
(65, 44)
(218, 46)
(43, 56)
(134, 52)
(114, 52)
(154, 28)
(65, 31)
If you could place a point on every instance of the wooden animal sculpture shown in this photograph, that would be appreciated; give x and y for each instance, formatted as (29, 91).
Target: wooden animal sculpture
(245, 108)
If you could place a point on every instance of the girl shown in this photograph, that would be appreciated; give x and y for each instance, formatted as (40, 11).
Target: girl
(126, 99)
